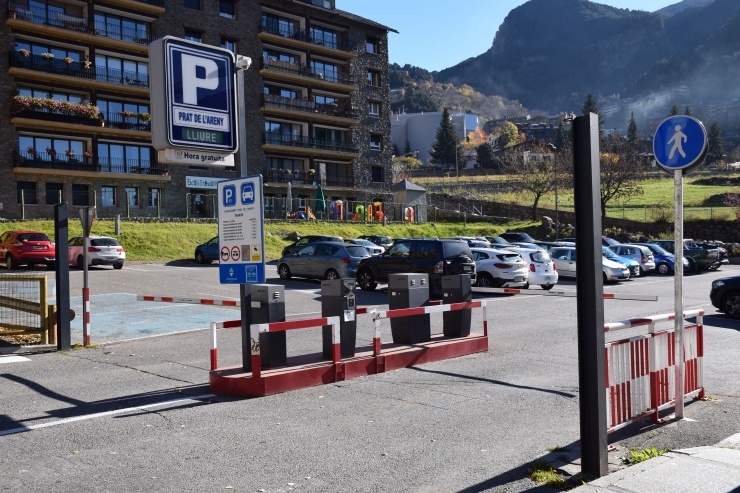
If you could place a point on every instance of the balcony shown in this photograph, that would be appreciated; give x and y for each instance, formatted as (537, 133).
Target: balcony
(61, 71)
(309, 145)
(302, 38)
(273, 175)
(330, 113)
(124, 122)
(47, 116)
(87, 165)
(339, 181)
(303, 74)
(22, 15)
(327, 4)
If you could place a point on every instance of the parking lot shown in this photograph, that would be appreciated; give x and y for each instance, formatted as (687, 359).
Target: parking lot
(468, 424)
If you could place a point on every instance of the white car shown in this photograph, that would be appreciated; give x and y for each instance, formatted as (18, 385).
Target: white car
(542, 270)
(371, 247)
(499, 268)
(565, 259)
(103, 251)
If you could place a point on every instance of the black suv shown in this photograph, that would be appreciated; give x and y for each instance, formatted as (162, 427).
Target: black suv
(310, 239)
(424, 256)
(521, 237)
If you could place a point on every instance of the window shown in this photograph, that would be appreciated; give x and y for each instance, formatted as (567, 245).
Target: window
(325, 100)
(48, 149)
(193, 35)
(132, 196)
(278, 55)
(372, 44)
(80, 195)
(278, 163)
(59, 53)
(280, 132)
(27, 192)
(228, 45)
(108, 198)
(114, 112)
(155, 195)
(192, 4)
(329, 134)
(54, 193)
(119, 70)
(400, 249)
(374, 109)
(226, 9)
(326, 71)
(281, 91)
(377, 174)
(120, 158)
(287, 28)
(376, 142)
(373, 78)
(46, 94)
(116, 27)
(324, 37)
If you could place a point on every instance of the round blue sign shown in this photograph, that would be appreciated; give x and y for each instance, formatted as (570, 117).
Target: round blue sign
(680, 143)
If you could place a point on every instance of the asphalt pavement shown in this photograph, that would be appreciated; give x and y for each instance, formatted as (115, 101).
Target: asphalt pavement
(139, 415)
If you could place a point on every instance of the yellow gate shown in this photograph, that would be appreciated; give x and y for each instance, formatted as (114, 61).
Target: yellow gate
(23, 306)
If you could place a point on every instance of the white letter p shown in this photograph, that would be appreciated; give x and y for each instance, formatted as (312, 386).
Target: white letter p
(191, 83)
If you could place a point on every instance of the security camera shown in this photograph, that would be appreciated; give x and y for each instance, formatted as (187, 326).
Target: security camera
(243, 62)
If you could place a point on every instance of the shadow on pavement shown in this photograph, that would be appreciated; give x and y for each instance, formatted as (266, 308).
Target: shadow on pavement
(721, 321)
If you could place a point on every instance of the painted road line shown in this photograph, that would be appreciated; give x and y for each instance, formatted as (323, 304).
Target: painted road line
(103, 414)
(12, 359)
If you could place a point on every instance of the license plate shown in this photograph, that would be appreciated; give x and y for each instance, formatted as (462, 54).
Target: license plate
(548, 278)
(38, 248)
(466, 269)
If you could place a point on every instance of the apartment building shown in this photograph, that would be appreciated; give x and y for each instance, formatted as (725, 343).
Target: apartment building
(74, 101)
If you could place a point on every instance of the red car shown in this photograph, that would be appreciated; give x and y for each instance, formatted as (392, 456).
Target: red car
(26, 247)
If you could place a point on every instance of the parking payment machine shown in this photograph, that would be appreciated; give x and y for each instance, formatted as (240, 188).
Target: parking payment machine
(338, 300)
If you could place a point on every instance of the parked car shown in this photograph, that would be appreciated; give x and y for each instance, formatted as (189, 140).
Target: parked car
(307, 240)
(664, 260)
(500, 268)
(524, 244)
(725, 295)
(496, 241)
(322, 260)
(723, 254)
(642, 255)
(434, 257)
(632, 265)
(371, 247)
(513, 236)
(381, 240)
(565, 260)
(27, 248)
(542, 270)
(103, 250)
(698, 257)
(549, 245)
(207, 252)
(606, 241)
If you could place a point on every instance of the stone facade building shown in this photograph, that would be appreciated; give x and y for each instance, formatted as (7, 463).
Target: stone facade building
(74, 102)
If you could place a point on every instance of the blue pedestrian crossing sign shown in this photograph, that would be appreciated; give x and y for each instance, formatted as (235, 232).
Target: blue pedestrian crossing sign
(680, 143)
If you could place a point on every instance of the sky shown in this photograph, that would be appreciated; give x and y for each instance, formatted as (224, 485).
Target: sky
(436, 34)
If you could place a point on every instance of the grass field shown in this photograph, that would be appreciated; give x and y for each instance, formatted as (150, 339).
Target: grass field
(175, 241)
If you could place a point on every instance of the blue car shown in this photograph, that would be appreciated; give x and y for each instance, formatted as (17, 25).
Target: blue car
(632, 265)
(664, 260)
(207, 252)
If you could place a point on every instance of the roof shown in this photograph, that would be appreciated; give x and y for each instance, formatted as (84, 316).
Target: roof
(407, 185)
(362, 20)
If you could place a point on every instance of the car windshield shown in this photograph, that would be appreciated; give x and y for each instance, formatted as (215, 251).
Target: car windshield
(608, 253)
(97, 242)
(498, 239)
(385, 240)
(33, 237)
(455, 249)
(364, 242)
(508, 257)
(540, 257)
(658, 249)
(357, 251)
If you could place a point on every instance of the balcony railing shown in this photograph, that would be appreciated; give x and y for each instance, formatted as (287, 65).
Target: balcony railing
(291, 32)
(273, 175)
(310, 143)
(306, 106)
(305, 71)
(327, 4)
(39, 15)
(114, 120)
(56, 117)
(61, 161)
(78, 69)
(339, 180)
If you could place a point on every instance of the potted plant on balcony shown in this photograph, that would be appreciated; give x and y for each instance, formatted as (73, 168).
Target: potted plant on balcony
(51, 152)
(71, 156)
(32, 152)
(126, 114)
(25, 53)
(88, 156)
(87, 64)
(144, 117)
(67, 60)
(47, 56)
(272, 174)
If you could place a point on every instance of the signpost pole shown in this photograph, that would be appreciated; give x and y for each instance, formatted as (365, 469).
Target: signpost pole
(245, 295)
(61, 238)
(678, 323)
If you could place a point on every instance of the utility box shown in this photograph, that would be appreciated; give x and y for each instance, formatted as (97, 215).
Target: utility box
(456, 289)
(268, 306)
(409, 291)
(338, 299)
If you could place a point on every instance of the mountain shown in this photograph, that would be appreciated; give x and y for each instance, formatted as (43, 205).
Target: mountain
(681, 6)
(549, 54)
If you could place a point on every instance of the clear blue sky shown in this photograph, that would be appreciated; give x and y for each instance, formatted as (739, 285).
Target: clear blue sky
(436, 34)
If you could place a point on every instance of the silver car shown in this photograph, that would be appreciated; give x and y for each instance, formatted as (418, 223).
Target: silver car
(323, 261)
(640, 254)
(371, 247)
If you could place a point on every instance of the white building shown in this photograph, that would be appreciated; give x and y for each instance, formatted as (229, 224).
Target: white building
(420, 130)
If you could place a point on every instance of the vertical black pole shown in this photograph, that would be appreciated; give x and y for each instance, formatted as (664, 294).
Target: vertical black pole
(590, 285)
(61, 238)
(245, 295)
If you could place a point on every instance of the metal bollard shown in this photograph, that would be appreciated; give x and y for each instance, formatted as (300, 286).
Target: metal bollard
(338, 300)
(456, 289)
(409, 291)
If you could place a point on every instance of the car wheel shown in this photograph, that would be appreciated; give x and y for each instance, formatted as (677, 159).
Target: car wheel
(731, 305)
(692, 265)
(10, 263)
(366, 280)
(80, 262)
(118, 265)
(640, 271)
(484, 280)
(663, 268)
(284, 272)
(199, 257)
(526, 286)
(331, 275)
(605, 278)
(547, 287)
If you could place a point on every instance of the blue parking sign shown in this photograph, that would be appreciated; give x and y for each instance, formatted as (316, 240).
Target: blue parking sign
(680, 143)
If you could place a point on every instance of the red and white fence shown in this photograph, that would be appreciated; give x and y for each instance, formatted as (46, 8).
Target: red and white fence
(191, 301)
(640, 371)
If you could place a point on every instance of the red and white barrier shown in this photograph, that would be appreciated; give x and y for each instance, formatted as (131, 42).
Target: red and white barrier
(192, 301)
(85, 316)
(567, 294)
(640, 371)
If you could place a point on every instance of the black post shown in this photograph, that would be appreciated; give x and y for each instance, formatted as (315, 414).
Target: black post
(61, 266)
(590, 285)
(245, 296)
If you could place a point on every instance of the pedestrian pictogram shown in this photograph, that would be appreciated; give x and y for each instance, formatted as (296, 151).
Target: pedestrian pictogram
(225, 254)
(680, 143)
(235, 254)
(678, 139)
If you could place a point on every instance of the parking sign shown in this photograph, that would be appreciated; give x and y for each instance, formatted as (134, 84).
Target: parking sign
(193, 96)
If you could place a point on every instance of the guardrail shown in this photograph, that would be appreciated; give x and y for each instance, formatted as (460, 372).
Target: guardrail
(640, 371)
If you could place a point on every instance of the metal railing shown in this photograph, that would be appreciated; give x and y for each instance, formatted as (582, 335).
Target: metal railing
(327, 4)
(272, 64)
(78, 69)
(310, 143)
(307, 106)
(290, 32)
(58, 117)
(61, 161)
(112, 119)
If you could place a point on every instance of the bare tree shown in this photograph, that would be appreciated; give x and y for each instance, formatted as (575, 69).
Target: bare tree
(622, 165)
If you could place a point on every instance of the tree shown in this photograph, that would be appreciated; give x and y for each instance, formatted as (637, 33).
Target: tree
(402, 166)
(590, 106)
(560, 136)
(416, 101)
(715, 151)
(688, 111)
(632, 129)
(446, 149)
(621, 168)
(486, 156)
(396, 150)
(508, 134)
(675, 110)
(475, 138)
(534, 172)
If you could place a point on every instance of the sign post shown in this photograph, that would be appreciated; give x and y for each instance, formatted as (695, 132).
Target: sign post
(680, 145)
(61, 238)
(87, 215)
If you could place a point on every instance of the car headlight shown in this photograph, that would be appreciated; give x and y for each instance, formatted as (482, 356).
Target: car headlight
(717, 284)
(617, 271)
